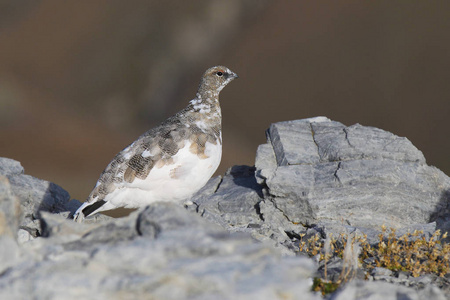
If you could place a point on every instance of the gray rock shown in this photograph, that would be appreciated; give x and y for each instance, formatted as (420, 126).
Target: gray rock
(334, 268)
(10, 211)
(10, 253)
(60, 227)
(10, 166)
(381, 273)
(184, 257)
(384, 291)
(39, 195)
(231, 201)
(24, 236)
(317, 176)
(313, 176)
(327, 228)
(427, 229)
(322, 175)
(236, 202)
(35, 195)
(265, 162)
(322, 172)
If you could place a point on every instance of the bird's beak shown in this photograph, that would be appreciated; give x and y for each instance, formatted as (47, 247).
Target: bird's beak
(234, 75)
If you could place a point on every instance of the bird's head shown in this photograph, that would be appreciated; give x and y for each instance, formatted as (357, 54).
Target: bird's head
(216, 78)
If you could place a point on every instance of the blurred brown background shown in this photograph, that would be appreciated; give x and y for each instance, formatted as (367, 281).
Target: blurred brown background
(79, 80)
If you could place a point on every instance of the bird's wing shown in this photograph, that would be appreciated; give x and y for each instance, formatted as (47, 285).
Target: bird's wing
(154, 147)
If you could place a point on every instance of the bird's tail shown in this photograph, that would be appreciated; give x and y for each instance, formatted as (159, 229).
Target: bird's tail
(87, 209)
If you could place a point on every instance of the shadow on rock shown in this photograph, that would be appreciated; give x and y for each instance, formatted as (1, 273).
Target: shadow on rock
(244, 176)
(441, 215)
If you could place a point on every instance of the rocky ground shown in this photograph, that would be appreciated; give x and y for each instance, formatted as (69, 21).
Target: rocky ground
(242, 235)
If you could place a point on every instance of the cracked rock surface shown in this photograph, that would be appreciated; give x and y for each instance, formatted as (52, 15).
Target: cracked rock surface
(161, 252)
(322, 175)
(239, 239)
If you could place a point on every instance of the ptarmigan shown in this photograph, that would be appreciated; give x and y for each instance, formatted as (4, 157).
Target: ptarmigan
(169, 162)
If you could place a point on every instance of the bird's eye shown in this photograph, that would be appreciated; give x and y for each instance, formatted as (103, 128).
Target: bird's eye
(220, 74)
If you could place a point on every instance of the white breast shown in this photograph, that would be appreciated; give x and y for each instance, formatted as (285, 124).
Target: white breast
(177, 181)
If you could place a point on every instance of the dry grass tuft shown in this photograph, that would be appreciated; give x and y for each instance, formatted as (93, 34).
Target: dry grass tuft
(411, 253)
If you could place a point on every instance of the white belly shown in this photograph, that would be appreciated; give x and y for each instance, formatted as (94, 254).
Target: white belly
(172, 182)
